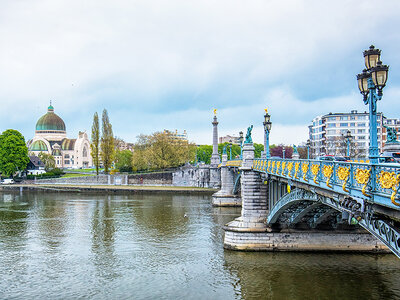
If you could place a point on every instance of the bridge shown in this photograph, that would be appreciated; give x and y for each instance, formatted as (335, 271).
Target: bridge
(299, 199)
(308, 204)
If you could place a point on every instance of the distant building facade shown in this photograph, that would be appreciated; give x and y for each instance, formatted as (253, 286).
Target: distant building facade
(229, 139)
(326, 130)
(178, 135)
(51, 138)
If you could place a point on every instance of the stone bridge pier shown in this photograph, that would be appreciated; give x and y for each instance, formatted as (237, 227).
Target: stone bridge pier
(225, 196)
(240, 233)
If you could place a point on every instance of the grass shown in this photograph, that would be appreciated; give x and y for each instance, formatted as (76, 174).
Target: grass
(69, 175)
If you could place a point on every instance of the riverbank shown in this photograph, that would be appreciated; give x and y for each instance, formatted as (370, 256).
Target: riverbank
(106, 188)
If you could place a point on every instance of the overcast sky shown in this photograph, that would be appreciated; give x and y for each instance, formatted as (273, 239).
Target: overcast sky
(158, 65)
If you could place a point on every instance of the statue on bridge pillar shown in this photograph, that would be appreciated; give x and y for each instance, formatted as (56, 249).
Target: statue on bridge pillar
(295, 154)
(391, 134)
(248, 139)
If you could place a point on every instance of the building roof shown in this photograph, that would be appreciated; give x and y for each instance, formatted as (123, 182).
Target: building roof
(68, 144)
(36, 161)
(38, 146)
(50, 122)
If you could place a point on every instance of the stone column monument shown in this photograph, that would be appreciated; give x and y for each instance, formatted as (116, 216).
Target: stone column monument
(215, 177)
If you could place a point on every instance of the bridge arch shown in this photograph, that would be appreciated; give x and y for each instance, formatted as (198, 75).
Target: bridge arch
(360, 213)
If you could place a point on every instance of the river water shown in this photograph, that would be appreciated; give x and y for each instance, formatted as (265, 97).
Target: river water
(162, 246)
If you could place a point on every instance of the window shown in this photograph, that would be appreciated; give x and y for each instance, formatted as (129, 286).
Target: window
(344, 118)
(331, 131)
(66, 156)
(362, 117)
(360, 130)
(352, 117)
(331, 125)
(361, 144)
(353, 131)
(361, 124)
(362, 137)
(344, 124)
(352, 124)
(66, 162)
(332, 119)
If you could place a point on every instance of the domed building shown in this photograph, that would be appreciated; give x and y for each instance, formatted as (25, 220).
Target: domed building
(51, 137)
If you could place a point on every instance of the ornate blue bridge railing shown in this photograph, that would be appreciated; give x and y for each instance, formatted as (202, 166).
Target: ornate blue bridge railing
(377, 183)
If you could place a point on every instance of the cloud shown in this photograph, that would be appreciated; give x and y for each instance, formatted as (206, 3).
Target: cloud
(156, 64)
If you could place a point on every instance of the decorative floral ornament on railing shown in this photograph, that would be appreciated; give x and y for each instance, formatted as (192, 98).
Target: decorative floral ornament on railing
(327, 171)
(278, 164)
(290, 167)
(273, 167)
(304, 169)
(283, 168)
(269, 166)
(389, 181)
(343, 174)
(314, 171)
(296, 169)
(363, 176)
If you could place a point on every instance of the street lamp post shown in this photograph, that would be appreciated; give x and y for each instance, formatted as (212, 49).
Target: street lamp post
(372, 78)
(348, 137)
(267, 128)
(308, 148)
(241, 143)
(230, 150)
(283, 152)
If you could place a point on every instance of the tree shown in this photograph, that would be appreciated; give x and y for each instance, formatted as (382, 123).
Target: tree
(303, 152)
(203, 153)
(13, 152)
(161, 150)
(278, 151)
(107, 142)
(95, 145)
(48, 161)
(123, 160)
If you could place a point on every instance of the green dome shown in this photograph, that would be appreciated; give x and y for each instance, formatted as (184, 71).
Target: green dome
(50, 122)
(38, 146)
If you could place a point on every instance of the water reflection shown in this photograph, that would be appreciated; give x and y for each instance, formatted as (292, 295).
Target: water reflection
(313, 276)
(163, 246)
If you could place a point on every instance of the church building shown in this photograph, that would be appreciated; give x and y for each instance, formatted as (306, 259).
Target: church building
(51, 137)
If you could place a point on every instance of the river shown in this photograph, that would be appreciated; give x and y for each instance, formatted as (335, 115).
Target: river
(162, 246)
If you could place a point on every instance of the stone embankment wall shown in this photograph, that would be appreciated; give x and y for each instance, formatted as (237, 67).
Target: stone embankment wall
(193, 176)
(196, 176)
(101, 179)
(164, 178)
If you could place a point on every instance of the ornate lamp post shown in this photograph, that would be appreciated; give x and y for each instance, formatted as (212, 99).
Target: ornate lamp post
(308, 148)
(230, 150)
(241, 142)
(267, 128)
(372, 78)
(283, 152)
(348, 137)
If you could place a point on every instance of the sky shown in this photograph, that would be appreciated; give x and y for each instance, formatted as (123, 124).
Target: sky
(156, 64)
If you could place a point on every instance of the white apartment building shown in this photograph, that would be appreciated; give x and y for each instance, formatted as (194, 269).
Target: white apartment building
(325, 132)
